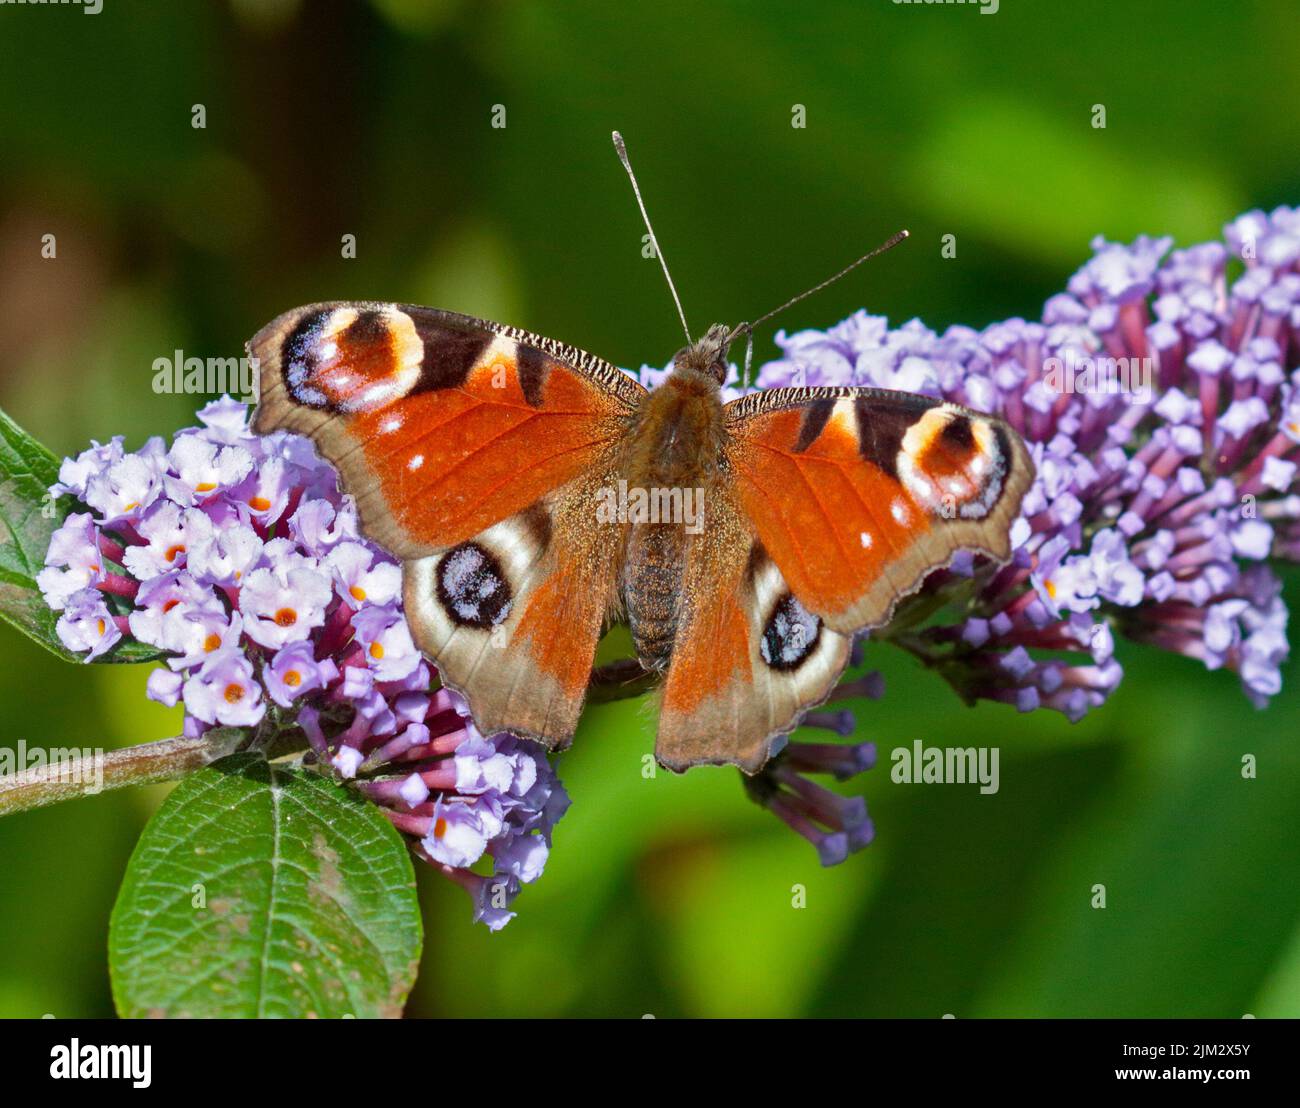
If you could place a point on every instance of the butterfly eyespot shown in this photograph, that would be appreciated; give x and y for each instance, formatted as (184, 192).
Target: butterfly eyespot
(953, 464)
(352, 359)
(790, 636)
(472, 587)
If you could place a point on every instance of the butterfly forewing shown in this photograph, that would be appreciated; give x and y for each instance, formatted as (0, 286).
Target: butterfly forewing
(858, 494)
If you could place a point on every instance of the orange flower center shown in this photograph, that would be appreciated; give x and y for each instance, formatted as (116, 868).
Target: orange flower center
(286, 617)
(440, 829)
(376, 650)
(234, 694)
(205, 486)
(259, 503)
(293, 679)
(212, 642)
(358, 593)
(172, 551)
(102, 627)
(169, 605)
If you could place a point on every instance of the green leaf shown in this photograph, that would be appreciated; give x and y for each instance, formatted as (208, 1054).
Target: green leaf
(259, 890)
(28, 517)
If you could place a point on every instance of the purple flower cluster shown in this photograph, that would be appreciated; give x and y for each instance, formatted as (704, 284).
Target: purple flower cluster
(1161, 404)
(236, 557)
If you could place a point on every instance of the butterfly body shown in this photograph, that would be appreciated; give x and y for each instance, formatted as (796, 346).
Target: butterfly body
(535, 493)
(674, 456)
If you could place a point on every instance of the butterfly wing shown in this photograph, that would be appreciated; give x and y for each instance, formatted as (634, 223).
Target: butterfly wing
(846, 500)
(473, 451)
(747, 659)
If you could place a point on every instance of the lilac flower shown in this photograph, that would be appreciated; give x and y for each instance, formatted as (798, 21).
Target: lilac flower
(74, 561)
(284, 602)
(127, 486)
(203, 467)
(294, 672)
(87, 624)
(168, 531)
(224, 555)
(225, 691)
(173, 609)
(359, 577)
(75, 473)
(237, 558)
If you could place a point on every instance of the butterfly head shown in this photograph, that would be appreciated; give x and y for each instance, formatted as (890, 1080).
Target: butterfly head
(707, 355)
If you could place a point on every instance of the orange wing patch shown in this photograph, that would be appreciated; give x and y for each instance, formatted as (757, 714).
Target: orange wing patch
(827, 517)
(451, 462)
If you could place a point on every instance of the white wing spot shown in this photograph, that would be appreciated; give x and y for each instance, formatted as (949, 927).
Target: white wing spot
(866, 540)
(415, 463)
(899, 511)
(391, 424)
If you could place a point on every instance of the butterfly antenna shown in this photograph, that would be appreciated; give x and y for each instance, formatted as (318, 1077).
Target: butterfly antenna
(622, 157)
(748, 328)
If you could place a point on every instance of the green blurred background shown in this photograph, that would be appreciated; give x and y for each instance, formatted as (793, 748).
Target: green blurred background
(671, 896)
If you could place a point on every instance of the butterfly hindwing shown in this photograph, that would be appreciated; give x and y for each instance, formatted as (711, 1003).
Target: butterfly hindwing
(834, 504)
(512, 617)
(748, 659)
(473, 451)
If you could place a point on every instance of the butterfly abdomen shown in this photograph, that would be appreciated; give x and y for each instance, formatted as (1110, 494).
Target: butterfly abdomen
(652, 574)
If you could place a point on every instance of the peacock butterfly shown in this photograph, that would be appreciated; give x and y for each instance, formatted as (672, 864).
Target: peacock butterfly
(485, 457)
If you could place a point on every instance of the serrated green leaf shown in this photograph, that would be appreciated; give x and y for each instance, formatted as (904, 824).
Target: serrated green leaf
(305, 893)
(28, 517)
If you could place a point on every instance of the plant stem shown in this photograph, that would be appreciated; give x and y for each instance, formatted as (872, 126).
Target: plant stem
(66, 778)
